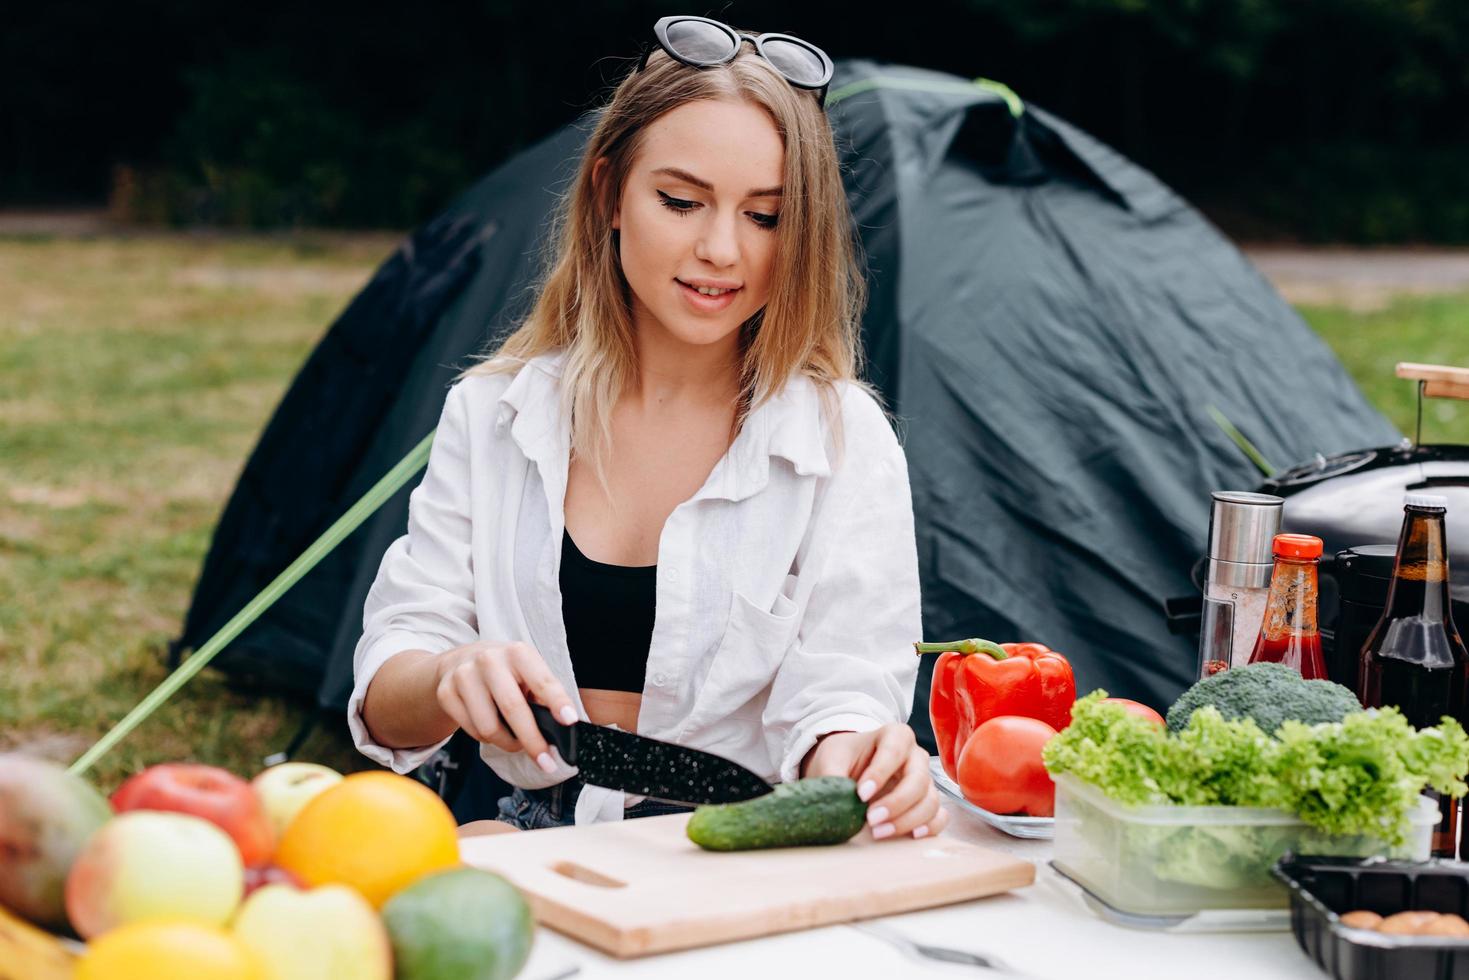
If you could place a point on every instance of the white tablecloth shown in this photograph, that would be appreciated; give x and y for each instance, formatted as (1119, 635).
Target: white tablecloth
(1044, 932)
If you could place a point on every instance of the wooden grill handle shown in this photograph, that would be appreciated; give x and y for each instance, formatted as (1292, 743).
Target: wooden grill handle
(1439, 380)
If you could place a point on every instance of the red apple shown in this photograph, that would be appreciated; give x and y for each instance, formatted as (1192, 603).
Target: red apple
(215, 794)
(269, 875)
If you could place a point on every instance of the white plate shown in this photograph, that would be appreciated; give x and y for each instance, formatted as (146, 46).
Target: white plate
(1030, 828)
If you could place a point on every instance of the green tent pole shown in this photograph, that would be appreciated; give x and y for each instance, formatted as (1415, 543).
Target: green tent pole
(320, 548)
(1012, 101)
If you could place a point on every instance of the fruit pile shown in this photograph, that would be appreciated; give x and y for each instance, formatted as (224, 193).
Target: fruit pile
(191, 872)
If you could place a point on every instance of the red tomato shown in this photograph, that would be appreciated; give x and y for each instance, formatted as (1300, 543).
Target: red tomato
(1136, 708)
(1000, 767)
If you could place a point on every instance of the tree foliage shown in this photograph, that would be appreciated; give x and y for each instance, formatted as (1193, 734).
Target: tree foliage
(358, 113)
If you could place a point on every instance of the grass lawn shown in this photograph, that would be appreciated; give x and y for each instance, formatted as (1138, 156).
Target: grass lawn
(1423, 329)
(135, 377)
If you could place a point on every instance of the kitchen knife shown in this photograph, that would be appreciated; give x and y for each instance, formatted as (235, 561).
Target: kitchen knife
(645, 766)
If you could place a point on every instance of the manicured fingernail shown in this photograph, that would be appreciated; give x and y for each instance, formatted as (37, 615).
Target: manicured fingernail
(920, 831)
(545, 761)
(886, 830)
(568, 714)
(877, 815)
(865, 791)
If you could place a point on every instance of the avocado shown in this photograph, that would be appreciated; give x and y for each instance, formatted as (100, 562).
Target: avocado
(460, 924)
(823, 810)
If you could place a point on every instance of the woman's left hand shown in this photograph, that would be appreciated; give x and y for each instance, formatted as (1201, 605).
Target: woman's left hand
(891, 771)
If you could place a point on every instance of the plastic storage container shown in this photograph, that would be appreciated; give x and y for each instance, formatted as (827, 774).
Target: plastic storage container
(1322, 888)
(1177, 861)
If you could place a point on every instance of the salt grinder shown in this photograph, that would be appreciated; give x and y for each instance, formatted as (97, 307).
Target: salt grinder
(1241, 527)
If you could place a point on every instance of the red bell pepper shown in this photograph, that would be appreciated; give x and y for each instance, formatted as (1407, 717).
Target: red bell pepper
(976, 680)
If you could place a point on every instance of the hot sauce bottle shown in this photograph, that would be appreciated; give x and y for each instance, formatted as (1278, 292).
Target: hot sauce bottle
(1288, 634)
(1414, 658)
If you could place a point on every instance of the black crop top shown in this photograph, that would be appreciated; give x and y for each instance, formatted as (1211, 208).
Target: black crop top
(608, 611)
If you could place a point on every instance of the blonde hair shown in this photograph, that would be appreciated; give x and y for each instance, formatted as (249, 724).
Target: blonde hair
(811, 322)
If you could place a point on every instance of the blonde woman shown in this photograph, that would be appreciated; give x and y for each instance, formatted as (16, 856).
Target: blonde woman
(665, 503)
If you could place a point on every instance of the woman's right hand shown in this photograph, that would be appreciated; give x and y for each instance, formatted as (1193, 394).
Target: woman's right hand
(483, 686)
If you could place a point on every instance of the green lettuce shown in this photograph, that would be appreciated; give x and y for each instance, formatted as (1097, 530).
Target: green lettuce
(1364, 774)
(1106, 746)
(1359, 776)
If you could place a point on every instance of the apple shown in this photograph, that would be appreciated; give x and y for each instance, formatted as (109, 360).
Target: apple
(269, 875)
(286, 788)
(327, 933)
(144, 865)
(215, 794)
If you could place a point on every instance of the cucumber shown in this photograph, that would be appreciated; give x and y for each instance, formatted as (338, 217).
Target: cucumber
(823, 810)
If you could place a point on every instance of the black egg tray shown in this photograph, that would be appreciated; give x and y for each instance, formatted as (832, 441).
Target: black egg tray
(1322, 888)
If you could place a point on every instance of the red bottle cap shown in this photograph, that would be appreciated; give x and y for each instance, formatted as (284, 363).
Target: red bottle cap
(1296, 546)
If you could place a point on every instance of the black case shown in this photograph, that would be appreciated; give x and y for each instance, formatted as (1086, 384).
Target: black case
(1321, 888)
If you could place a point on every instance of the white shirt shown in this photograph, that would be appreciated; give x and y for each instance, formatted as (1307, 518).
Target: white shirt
(787, 597)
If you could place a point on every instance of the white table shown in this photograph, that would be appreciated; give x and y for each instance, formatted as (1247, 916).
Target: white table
(1045, 932)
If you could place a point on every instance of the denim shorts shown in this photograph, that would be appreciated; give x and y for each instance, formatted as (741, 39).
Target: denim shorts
(555, 806)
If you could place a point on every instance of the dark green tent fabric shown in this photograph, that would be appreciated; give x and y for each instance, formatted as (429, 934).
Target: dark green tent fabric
(1049, 323)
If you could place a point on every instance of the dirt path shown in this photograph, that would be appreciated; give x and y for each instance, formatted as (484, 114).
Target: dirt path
(1362, 279)
(68, 223)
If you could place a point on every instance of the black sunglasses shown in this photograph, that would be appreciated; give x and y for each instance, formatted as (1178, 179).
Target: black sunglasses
(703, 43)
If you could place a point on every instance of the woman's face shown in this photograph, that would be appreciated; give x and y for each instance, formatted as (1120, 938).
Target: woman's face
(699, 208)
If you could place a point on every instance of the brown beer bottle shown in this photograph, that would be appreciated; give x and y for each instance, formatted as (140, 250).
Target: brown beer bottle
(1414, 659)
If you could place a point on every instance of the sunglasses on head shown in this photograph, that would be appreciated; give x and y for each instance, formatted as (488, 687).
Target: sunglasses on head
(703, 43)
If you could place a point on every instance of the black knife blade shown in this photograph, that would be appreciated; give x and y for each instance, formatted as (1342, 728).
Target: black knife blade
(648, 767)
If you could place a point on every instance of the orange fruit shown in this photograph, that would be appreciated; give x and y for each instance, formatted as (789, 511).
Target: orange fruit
(374, 831)
(169, 949)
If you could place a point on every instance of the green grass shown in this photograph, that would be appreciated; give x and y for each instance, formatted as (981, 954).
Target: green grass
(136, 375)
(1422, 329)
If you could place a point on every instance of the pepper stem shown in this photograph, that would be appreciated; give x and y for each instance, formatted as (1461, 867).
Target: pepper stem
(968, 646)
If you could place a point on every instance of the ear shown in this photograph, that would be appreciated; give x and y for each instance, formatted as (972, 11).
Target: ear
(599, 174)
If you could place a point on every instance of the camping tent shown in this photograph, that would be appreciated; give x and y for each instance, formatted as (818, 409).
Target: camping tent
(1051, 325)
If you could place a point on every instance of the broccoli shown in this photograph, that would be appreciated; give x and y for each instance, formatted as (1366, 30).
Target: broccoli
(1268, 693)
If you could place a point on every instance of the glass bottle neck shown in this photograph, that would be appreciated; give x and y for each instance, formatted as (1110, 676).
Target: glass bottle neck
(1291, 607)
(1420, 582)
(1288, 634)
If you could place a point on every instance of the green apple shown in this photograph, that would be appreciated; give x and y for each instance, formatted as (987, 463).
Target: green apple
(327, 933)
(286, 788)
(147, 864)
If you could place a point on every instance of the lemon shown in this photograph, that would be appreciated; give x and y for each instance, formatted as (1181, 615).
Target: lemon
(168, 949)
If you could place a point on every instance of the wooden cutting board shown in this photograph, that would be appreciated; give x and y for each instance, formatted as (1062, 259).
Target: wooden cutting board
(636, 887)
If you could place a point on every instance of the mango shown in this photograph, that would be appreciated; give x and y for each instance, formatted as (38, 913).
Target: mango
(46, 817)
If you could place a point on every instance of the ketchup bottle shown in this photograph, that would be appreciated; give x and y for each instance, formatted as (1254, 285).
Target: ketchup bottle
(1288, 634)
